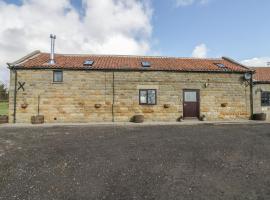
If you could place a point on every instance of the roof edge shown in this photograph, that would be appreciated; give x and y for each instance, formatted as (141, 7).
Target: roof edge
(261, 82)
(238, 63)
(137, 70)
(260, 67)
(25, 58)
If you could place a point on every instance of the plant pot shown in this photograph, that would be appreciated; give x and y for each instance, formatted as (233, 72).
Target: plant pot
(97, 105)
(203, 118)
(3, 119)
(166, 105)
(259, 116)
(180, 119)
(39, 119)
(24, 105)
(138, 119)
(223, 105)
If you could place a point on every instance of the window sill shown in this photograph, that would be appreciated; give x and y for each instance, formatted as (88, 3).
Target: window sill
(57, 82)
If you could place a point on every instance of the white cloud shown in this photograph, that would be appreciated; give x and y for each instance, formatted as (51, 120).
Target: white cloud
(180, 3)
(257, 62)
(107, 26)
(200, 51)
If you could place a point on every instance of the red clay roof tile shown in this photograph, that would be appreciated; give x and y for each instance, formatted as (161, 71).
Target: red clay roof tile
(262, 74)
(114, 62)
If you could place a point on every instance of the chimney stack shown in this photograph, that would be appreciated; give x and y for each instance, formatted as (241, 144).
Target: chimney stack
(52, 61)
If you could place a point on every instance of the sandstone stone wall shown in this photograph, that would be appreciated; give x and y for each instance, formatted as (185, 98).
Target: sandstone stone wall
(257, 91)
(77, 99)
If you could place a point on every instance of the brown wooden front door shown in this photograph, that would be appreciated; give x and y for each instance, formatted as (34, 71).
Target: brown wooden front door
(191, 104)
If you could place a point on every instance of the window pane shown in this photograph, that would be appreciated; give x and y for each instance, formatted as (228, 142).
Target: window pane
(265, 98)
(58, 76)
(190, 96)
(143, 96)
(151, 97)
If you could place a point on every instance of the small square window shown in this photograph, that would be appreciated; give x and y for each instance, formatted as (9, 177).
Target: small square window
(265, 99)
(148, 97)
(57, 76)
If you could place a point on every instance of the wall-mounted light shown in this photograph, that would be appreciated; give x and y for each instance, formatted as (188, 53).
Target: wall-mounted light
(206, 84)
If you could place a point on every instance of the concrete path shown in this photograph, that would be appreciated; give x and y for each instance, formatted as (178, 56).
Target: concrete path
(185, 122)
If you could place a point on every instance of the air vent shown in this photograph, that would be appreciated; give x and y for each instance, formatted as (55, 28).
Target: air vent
(88, 62)
(146, 64)
(220, 65)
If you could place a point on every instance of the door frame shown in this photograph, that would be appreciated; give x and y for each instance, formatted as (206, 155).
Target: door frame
(198, 101)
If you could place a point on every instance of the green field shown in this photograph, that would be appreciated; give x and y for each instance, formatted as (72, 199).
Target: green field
(3, 108)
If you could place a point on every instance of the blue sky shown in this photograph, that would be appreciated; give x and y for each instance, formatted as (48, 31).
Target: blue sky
(202, 28)
(236, 28)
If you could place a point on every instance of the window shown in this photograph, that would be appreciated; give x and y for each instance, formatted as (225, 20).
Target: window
(146, 64)
(88, 62)
(190, 96)
(57, 76)
(220, 65)
(265, 99)
(148, 97)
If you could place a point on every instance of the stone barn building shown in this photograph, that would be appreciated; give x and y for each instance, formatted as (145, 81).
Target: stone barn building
(106, 88)
(261, 90)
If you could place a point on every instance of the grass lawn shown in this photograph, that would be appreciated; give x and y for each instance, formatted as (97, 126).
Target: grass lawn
(3, 108)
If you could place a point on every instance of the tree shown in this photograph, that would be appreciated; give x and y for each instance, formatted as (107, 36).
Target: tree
(3, 92)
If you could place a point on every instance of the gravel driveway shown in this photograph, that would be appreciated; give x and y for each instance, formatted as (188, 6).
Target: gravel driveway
(197, 162)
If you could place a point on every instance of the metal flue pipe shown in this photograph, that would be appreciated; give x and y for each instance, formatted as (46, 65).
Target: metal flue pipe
(52, 60)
